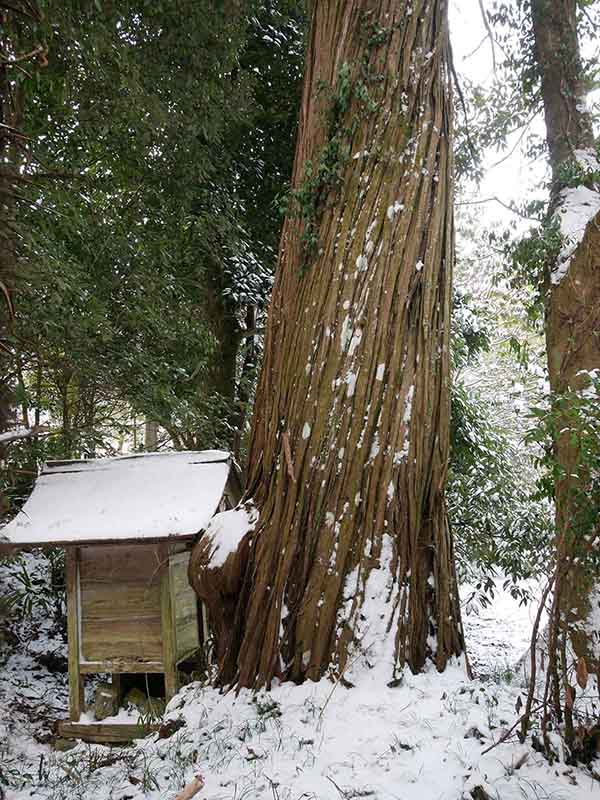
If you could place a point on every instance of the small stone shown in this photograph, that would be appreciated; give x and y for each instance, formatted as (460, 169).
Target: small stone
(106, 701)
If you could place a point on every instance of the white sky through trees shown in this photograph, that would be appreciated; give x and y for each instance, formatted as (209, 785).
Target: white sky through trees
(509, 176)
(515, 178)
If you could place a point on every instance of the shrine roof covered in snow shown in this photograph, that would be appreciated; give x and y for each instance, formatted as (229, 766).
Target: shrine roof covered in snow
(148, 496)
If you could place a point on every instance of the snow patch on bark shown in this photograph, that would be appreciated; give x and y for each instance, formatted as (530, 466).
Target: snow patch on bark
(592, 623)
(227, 529)
(350, 384)
(361, 263)
(346, 334)
(577, 208)
(401, 455)
(394, 209)
(354, 341)
(374, 448)
(408, 406)
(373, 624)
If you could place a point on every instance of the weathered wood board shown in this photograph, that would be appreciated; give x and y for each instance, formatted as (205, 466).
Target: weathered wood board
(76, 697)
(121, 666)
(104, 733)
(108, 639)
(185, 606)
(111, 563)
(120, 610)
(101, 601)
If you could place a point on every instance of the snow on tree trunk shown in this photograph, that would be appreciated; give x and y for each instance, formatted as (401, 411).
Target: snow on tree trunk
(350, 439)
(573, 295)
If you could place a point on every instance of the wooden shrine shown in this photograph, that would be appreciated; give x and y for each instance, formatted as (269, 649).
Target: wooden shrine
(127, 525)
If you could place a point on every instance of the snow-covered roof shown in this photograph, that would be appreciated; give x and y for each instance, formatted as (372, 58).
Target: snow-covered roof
(142, 496)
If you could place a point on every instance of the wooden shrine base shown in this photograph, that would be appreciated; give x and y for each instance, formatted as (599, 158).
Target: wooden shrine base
(104, 734)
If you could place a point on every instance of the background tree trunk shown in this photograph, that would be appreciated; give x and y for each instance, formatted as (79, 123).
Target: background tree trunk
(220, 382)
(246, 381)
(572, 300)
(150, 436)
(349, 449)
(10, 137)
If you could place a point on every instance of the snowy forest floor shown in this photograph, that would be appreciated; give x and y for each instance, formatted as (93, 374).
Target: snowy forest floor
(422, 740)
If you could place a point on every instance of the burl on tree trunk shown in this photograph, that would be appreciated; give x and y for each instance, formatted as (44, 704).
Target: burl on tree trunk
(350, 438)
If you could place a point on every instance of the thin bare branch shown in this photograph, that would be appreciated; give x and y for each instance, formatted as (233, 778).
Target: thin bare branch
(489, 32)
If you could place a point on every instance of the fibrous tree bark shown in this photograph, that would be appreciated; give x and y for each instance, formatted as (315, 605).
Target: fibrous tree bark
(349, 447)
(572, 322)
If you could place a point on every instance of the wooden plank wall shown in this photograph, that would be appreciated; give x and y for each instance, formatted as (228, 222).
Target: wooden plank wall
(120, 602)
(185, 606)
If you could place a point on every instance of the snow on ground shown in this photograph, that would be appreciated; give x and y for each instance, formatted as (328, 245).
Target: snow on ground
(498, 635)
(422, 740)
(33, 671)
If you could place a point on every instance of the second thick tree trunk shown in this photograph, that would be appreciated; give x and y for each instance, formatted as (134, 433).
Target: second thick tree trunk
(572, 306)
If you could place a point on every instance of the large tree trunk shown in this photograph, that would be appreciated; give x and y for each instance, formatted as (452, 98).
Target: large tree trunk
(572, 308)
(349, 449)
(10, 122)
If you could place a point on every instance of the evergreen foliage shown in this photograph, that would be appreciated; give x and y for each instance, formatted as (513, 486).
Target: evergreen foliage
(501, 528)
(148, 223)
